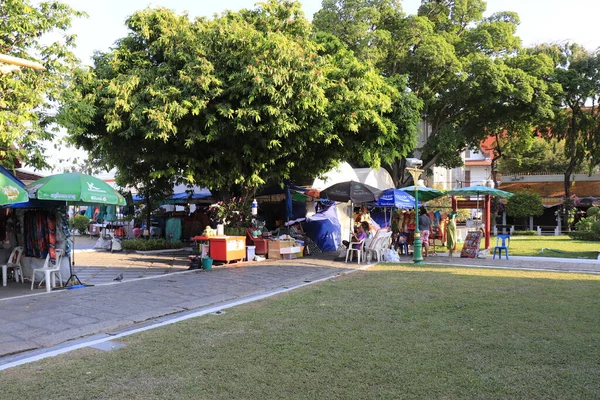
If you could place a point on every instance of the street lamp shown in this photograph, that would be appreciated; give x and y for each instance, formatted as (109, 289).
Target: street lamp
(417, 244)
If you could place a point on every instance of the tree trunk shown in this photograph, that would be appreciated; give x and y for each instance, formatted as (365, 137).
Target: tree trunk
(148, 216)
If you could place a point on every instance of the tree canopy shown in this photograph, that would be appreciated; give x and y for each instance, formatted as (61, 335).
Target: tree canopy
(467, 69)
(576, 121)
(28, 98)
(241, 99)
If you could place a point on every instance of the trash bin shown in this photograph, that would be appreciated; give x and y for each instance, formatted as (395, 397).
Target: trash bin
(207, 263)
(250, 253)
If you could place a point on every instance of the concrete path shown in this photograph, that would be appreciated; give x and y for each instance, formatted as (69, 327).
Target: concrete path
(160, 285)
(42, 320)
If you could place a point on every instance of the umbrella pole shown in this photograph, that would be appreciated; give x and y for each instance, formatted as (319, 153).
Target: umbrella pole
(72, 277)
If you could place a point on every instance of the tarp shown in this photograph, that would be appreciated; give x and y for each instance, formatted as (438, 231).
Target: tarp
(324, 229)
(181, 196)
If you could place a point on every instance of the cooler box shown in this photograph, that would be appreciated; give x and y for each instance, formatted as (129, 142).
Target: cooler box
(250, 253)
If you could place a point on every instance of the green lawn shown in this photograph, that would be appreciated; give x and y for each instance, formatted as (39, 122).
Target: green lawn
(389, 332)
(551, 246)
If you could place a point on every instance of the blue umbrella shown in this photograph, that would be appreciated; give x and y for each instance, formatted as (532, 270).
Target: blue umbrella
(395, 198)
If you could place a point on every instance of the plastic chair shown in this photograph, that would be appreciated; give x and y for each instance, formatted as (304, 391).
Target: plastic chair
(502, 243)
(382, 243)
(359, 251)
(14, 263)
(261, 244)
(51, 271)
(402, 243)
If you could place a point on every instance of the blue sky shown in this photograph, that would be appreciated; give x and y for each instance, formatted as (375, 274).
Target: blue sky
(541, 20)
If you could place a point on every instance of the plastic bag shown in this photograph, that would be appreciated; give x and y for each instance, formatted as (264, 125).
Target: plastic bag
(391, 256)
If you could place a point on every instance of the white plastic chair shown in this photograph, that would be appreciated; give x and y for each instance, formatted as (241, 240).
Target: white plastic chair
(14, 263)
(370, 244)
(51, 271)
(359, 251)
(380, 245)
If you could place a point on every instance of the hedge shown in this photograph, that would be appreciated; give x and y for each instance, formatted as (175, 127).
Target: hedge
(150, 244)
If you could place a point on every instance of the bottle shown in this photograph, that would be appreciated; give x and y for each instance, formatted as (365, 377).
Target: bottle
(254, 207)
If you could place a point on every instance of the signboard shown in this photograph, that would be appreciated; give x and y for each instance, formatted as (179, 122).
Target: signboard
(471, 245)
(469, 204)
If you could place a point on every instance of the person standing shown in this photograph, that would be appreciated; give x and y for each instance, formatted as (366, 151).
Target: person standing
(451, 233)
(425, 228)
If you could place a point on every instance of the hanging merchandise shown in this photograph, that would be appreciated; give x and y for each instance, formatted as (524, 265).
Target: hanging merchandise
(51, 231)
(35, 225)
(254, 207)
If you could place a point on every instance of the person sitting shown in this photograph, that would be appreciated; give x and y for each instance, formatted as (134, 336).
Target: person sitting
(137, 231)
(359, 235)
(297, 232)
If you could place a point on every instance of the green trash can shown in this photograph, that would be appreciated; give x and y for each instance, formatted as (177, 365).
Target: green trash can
(207, 263)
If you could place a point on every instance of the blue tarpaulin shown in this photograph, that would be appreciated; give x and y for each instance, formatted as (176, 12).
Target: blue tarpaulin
(324, 229)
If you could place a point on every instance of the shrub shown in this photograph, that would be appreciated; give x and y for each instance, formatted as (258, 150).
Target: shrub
(81, 223)
(582, 235)
(596, 228)
(585, 224)
(150, 244)
(593, 212)
(524, 233)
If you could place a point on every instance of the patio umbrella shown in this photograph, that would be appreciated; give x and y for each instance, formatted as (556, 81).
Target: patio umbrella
(75, 188)
(395, 198)
(478, 190)
(425, 193)
(355, 192)
(352, 191)
(11, 190)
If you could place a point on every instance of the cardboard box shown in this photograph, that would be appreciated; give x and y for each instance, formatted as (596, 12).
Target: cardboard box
(276, 246)
(289, 250)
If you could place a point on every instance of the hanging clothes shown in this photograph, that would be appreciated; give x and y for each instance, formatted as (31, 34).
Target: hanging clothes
(35, 227)
(111, 213)
(89, 212)
(451, 232)
(51, 237)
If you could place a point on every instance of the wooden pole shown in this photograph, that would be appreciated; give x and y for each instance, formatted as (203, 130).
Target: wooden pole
(4, 58)
(487, 213)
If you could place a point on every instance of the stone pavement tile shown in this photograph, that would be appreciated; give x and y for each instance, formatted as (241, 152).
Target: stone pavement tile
(30, 333)
(9, 327)
(16, 346)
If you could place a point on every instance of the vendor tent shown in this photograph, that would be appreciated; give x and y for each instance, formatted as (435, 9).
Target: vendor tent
(342, 173)
(379, 178)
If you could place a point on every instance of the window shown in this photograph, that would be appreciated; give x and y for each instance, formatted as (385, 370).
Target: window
(467, 179)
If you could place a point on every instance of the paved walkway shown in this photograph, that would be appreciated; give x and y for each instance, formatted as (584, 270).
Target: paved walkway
(166, 287)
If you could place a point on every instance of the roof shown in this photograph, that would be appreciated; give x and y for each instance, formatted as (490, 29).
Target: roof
(27, 176)
(554, 189)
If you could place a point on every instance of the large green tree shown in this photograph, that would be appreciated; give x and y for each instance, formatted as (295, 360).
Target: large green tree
(464, 67)
(242, 99)
(576, 121)
(28, 98)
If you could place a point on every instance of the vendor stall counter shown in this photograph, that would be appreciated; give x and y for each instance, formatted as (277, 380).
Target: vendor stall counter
(225, 248)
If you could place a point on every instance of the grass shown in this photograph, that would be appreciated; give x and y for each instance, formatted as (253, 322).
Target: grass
(552, 246)
(389, 332)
